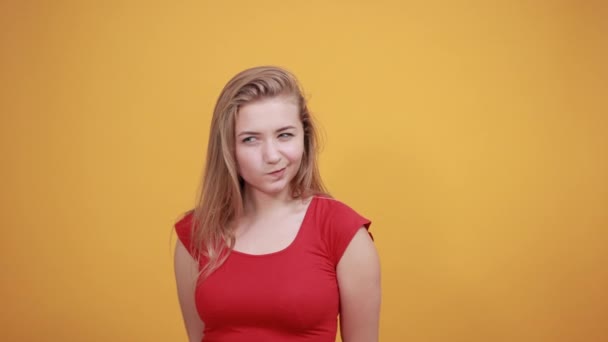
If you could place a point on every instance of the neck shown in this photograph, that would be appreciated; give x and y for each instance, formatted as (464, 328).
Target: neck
(256, 203)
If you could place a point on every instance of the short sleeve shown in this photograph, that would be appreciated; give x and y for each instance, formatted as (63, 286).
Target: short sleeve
(183, 228)
(343, 223)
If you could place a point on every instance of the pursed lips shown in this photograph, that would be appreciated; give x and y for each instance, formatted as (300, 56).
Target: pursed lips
(275, 171)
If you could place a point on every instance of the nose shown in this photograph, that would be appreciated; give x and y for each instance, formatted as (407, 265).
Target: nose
(270, 153)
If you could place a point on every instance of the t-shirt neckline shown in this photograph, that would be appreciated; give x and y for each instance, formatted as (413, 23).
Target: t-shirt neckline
(291, 245)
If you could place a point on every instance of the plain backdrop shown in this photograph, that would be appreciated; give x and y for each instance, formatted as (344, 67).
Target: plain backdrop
(474, 134)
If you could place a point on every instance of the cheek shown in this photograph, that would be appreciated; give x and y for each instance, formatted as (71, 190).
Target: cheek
(295, 152)
(244, 160)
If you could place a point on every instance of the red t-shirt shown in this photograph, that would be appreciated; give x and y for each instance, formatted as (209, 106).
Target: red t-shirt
(291, 295)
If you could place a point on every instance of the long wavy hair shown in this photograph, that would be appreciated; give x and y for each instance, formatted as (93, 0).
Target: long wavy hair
(220, 197)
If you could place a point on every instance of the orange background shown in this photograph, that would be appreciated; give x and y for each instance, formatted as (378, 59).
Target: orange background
(474, 134)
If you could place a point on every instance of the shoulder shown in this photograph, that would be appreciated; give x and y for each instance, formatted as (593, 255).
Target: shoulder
(337, 213)
(184, 227)
(338, 223)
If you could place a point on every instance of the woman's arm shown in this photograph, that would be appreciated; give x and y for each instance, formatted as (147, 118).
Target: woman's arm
(359, 282)
(186, 273)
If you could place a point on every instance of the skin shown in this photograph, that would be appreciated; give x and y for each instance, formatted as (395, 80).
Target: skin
(186, 271)
(269, 148)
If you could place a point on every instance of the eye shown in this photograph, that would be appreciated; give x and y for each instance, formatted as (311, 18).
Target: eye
(248, 140)
(285, 135)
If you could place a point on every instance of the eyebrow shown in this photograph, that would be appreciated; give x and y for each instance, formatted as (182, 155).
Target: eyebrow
(256, 133)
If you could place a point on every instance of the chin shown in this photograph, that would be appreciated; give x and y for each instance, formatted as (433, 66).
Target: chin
(276, 188)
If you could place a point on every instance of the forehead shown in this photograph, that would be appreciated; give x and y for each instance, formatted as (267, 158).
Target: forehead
(267, 114)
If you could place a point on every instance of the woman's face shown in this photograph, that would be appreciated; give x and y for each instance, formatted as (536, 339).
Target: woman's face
(269, 144)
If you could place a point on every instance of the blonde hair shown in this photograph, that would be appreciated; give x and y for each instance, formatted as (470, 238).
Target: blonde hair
(220, 198)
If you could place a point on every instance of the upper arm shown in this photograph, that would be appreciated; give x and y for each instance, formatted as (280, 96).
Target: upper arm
(186, 274)
(358, 273)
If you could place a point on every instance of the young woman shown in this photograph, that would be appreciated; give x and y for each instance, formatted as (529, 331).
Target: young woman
(266, 254)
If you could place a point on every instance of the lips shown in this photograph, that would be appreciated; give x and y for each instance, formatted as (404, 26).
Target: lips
(276, 172)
